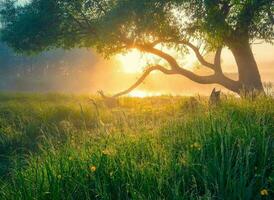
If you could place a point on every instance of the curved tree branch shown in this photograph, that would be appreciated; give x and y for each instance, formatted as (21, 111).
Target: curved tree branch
(173, 63)
(149, 48)
(220, 79)
(198, 54)
(210, 79)
(143, 77)
(217, 78)
(201, 59)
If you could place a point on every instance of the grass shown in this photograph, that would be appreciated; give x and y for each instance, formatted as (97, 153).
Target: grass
(56, 146)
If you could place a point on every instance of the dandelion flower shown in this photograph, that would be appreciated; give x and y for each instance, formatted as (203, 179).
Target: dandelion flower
(196, 145)
(59, 176)
(92, 168)
(264, 192)
(70, 158)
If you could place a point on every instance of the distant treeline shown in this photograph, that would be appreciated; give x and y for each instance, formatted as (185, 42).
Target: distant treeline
(50, 71)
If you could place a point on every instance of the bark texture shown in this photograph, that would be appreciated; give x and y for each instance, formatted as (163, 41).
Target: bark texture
(249, 76)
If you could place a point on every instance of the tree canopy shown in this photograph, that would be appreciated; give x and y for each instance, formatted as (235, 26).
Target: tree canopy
(109, 25)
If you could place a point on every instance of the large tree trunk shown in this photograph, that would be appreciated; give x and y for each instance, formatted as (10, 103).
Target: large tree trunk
(249, 76)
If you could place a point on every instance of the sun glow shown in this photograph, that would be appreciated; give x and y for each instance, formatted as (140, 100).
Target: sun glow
(132, 62)
(135, 62)
(143, 94)
(138, 93)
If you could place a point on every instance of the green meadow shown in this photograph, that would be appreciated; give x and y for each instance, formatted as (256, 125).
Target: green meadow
(57, 146)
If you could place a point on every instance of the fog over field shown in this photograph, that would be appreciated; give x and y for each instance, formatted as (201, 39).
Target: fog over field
(83, 71)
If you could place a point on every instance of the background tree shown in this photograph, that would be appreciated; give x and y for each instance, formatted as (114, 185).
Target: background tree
(117, 26)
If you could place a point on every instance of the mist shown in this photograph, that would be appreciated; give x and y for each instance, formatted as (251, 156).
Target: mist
(84, 71)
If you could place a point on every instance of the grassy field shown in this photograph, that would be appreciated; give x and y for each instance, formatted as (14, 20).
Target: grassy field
(56, 146)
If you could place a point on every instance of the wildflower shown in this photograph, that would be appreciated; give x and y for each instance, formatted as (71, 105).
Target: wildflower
(70, 158)
(92, 168)
(105, 152)
(264, 192)
(109, 152)
(196, 145)
(182, 160)
(59, 176)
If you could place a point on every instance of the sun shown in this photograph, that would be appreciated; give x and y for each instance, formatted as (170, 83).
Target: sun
(132, 62)
(135, 62)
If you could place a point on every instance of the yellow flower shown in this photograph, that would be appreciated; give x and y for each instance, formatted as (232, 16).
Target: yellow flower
(59, 176)
(109, 152)
(196, 145)
(92, 168)
(70, 158)
(264, 192)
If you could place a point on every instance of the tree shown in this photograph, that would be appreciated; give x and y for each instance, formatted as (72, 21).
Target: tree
(115, 26)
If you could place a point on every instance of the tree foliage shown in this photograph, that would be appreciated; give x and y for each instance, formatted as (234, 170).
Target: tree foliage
(108, 24)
